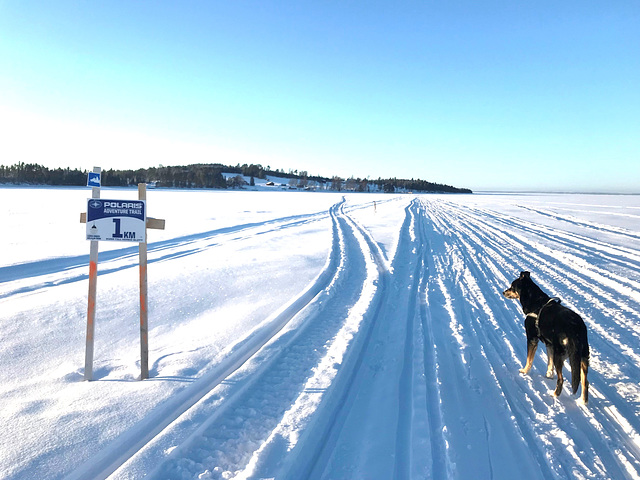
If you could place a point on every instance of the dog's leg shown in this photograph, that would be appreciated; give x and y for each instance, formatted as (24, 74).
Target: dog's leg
(584, 368)
(558, 361)
(549, 361)
(532, 342)
(532, 346)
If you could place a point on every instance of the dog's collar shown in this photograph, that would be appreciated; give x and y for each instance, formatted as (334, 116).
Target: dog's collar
(537, 315)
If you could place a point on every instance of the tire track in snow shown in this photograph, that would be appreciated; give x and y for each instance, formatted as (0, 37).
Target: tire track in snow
(407, 386)
(385, 420)
(612, 418)
(440, 461)
(239, 416)
(319, 441)
(584, 224)
(483, 420)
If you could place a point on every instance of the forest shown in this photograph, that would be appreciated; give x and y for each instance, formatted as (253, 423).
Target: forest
(211, 176)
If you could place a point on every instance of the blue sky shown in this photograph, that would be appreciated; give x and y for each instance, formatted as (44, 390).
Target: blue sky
(486, 95)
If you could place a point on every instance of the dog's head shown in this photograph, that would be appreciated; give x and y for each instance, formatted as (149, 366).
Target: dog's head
(515, 289)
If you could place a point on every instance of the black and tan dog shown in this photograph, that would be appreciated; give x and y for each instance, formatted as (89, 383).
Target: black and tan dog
(562, 331)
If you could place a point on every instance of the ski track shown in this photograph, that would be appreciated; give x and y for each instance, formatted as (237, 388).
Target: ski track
(387, 366)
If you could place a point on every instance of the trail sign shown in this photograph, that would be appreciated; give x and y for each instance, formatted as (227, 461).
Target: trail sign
(99, 213)
(116, 220)
(94, 179)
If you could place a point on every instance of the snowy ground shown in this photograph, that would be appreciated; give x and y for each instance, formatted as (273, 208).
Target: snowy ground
(302, 335)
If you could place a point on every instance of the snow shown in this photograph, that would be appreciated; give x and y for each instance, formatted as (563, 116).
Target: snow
(317, 335)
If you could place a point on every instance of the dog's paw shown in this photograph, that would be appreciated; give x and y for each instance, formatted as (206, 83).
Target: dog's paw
(549, 374)
(523, 371)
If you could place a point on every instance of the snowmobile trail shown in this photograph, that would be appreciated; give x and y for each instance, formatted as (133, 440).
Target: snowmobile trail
(385, 397)
(407, 367)
(208, 433)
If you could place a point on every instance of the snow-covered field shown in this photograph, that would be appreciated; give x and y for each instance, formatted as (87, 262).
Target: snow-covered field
(299, 335)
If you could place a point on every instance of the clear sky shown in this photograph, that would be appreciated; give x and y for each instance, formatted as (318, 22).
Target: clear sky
(508, 95)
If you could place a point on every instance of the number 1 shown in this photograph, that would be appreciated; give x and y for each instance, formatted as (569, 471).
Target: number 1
(117, 234)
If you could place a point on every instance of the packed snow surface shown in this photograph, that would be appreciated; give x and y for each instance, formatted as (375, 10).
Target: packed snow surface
(299, 335)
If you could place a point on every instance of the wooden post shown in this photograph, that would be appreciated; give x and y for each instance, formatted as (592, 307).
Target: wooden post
(144, 302)
(93, 284)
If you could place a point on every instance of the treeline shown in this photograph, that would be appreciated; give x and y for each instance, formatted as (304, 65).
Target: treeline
(38, 175)
(258, 171)
(190, 176)
(209, 176)
(395, 184)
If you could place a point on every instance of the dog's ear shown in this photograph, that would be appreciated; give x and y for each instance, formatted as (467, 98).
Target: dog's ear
(525, 275)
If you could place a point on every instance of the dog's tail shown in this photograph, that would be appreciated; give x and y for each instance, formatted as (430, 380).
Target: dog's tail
(576, 371)
(584, 369)
(579, 361)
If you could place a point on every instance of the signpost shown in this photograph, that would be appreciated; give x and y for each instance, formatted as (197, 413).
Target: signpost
(117, 220)
(144, 301)
(93, 286)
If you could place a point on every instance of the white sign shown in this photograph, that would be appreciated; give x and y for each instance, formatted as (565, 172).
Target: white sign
(93, 179)
(116, 220)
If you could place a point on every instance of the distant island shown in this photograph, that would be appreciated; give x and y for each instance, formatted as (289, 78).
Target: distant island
(215, 175)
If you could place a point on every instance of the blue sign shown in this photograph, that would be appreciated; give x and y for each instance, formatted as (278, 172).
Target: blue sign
(93, 179)
(116, 220)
